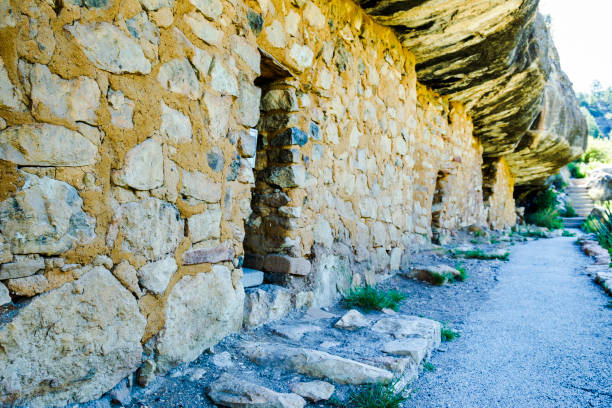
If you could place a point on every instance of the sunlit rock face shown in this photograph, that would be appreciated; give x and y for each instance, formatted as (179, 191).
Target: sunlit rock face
(497, 57)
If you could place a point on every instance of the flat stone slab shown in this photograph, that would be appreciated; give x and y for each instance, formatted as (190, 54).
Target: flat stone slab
(314, 363)
(411, 326)
(251, 277)
(415, 347)
(229, 391)
(314, 390)
(294, 332)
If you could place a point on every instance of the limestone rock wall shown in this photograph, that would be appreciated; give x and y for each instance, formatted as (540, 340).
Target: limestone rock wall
(145, 146)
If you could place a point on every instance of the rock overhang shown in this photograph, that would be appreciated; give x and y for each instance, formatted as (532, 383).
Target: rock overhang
(497, 58)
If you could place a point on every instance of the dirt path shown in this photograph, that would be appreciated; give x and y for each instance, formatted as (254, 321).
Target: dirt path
(542, 338)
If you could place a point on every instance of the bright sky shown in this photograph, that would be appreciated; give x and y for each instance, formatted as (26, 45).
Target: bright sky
(583, 34)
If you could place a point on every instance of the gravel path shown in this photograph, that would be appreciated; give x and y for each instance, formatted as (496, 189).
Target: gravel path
(541, 338)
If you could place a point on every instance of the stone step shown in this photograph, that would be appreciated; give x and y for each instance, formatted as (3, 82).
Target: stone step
(314, 363)
(229, 391)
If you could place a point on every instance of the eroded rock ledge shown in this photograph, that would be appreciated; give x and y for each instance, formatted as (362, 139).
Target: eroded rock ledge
(498, 58)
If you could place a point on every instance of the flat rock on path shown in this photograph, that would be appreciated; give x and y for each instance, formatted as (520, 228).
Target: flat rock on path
(541, 339)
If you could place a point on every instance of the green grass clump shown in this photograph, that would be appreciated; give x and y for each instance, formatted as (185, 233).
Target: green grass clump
(462, 273)
(567, 233)
(609, 305)
(376, 396)
(429, 367)
(569, 212)
(440, 278)
(449, 334)
(480, 254)
(369, 298)
(602, 227)
(548, 218)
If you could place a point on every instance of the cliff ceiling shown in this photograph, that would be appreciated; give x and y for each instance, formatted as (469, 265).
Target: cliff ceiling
(498, 58)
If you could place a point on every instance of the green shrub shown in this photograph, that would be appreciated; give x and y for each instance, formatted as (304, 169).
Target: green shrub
(558, 182)
(568, 234)
(548, 218)
(369, 298)
(577, 170)
(570, 211)
(376, 396)
(602, 227)
(429, 367)
(480, 254)
(449, 334)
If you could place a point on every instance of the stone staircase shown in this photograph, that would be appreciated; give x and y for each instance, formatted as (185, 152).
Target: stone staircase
(581, 202)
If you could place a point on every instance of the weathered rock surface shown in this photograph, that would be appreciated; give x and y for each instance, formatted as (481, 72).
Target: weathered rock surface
(604, 278)
(314, 391)
(599, 184)
(265, 303)
(315, 363)
(352, 320)
(229, 391)
(151, 227)
(435, 274)
(41, 144)
(71, 344)
(22, 266)
(513, 54)
(109, 48)
(415, 347)
(294, 332)
(200, 311)
(76, 99)
(144, 167)
(28, 286)
(175, 125)
(4, 295)
(410, 326)
(45, 217)
(155, 276)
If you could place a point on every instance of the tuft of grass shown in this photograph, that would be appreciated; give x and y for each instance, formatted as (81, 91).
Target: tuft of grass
(480, 254)
(609, 305)
(376, 396)
(569, 212)
(548, 218)
(462, 273)
(369, 298)
(429, 367)
(439, 278)
(449, 334)
(567, 233)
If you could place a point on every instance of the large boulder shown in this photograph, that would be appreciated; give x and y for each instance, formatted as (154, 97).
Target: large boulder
(71, 344)
(599, 184)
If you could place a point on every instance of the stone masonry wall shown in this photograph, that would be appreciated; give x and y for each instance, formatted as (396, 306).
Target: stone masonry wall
(350, 152)
(499, 190)
(134, 167)
(126, 156)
